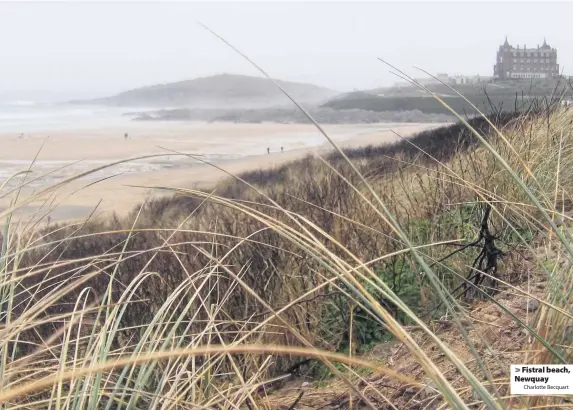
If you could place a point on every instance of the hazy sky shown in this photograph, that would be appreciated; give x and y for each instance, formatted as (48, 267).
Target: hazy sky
(75, 50)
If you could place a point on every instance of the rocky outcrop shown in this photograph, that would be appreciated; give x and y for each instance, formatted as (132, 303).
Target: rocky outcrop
(287, 116)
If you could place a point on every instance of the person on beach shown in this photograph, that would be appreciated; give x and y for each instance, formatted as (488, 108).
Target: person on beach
(268, 150)
(125, 136)
(281, 149)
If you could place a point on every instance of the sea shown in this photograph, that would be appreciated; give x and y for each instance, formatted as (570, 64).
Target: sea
(22, 117)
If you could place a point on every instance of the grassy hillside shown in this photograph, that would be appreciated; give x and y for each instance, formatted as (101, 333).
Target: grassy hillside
(218, 91)
(492, 97)
(428, 105)
(317, 269)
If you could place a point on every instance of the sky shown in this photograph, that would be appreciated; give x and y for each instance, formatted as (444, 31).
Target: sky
(64, 50)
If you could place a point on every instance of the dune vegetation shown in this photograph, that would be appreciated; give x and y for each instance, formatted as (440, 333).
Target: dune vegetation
(401, 276)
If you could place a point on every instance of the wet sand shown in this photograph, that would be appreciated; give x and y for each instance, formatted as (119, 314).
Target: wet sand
(234, 147)
(108, 143)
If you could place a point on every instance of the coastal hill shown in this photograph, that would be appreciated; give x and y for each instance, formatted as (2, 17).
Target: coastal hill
(217, 91)
(487, 96)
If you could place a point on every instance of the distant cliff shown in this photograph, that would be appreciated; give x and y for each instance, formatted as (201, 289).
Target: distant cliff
(218, 91)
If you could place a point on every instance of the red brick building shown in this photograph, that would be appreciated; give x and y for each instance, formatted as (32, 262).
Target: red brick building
(516, 62)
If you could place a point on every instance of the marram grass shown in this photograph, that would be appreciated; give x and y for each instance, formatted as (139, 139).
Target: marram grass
(210, 304)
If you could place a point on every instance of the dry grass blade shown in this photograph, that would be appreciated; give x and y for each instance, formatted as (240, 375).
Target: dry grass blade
(162, 355)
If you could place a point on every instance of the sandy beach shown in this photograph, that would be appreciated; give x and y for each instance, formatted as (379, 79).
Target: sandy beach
(233, 147)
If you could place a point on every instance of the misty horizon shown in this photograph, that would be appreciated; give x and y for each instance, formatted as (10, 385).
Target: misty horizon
(62, 51)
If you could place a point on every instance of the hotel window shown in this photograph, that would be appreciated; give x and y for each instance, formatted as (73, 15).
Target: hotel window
(535, 60)
(514, 68)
